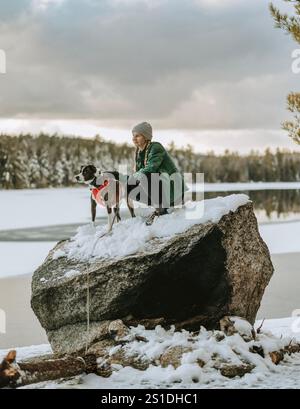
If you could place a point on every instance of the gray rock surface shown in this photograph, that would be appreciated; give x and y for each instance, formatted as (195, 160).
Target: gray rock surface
(211, 270)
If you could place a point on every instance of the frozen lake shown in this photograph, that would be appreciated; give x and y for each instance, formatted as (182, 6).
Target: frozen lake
(32, 221)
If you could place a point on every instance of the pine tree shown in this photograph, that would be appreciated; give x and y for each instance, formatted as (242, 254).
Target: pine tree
(269, 166)
(19, 169)
(34, 171)
(58, 175)
(44, 168)
(291, 25)
(6, 173)
(19, 173)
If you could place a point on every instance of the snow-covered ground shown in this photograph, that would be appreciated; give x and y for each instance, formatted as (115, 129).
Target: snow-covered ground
(275, 334)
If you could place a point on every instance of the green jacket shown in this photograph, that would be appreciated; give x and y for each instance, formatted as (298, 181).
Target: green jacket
(159, 161)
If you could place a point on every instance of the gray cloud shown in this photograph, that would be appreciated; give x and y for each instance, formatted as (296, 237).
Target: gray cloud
(190, 64)
(11, 10)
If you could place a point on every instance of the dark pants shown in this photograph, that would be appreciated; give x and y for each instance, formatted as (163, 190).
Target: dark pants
(156, 200)
(146, 195)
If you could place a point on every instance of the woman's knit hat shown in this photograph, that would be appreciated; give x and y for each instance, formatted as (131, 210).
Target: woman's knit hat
(145, 129)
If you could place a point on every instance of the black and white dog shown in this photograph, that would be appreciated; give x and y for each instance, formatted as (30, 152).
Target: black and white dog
(106, 190)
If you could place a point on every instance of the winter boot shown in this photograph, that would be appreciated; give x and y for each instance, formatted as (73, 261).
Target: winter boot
(157, 213)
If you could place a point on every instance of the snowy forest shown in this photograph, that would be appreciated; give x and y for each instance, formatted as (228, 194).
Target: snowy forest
(28, 161)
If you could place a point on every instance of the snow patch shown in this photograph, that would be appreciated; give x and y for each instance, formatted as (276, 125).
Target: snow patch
(71, 273)
(58, 254)
(242, 326)
(131, 236)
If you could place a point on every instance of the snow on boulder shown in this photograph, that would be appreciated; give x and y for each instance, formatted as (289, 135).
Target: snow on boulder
(180, 271)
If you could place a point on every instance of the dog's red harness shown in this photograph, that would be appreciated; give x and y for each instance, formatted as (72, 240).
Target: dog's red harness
(96, 193)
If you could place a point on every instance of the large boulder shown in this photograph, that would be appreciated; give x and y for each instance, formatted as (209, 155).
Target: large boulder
(192, 278)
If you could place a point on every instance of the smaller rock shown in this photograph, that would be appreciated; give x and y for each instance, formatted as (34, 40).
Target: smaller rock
(172, 356)
(276, 356)
(101, 348)
(231, 371)
(227, 326)
(237, 325)
(118, 330)
(135, 361)
(219, 336)
(104, 369)
(200, 362)
(72, 339)
(257, 349)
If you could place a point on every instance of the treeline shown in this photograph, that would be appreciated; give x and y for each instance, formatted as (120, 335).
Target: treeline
(281, 166)
(28, 161)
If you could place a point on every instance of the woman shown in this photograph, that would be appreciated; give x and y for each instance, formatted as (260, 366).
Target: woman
(156, 173)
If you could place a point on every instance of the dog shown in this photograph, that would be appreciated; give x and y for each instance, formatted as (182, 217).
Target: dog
(8, 370)
(106, 190)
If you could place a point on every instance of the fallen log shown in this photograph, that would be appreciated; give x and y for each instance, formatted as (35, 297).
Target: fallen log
(45, 368)
(278, 356)
(8, 371)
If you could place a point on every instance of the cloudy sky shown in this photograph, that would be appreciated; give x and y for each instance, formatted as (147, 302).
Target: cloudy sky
(212, 73)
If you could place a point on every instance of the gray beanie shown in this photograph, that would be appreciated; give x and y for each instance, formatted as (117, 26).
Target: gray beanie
(145, 129)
